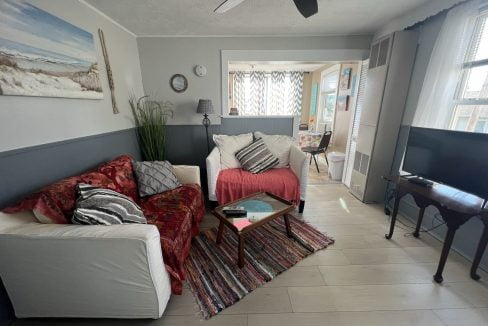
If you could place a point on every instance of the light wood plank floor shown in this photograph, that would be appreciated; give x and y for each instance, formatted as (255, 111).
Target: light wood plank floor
(363, 279)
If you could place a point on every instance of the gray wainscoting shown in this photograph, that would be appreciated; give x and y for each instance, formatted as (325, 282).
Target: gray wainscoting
(25, 170)
(187, 144)
(272, 126)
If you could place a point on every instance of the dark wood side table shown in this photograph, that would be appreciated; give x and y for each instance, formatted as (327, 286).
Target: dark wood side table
(481, 245)
(262, 208)
(455, 207)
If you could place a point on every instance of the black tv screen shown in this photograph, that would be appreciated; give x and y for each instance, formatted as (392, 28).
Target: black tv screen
(454, 158)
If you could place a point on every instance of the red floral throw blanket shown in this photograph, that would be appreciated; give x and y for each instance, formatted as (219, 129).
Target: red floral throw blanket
(176, 213)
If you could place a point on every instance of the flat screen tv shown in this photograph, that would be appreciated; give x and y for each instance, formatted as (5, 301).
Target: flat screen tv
(454, 158)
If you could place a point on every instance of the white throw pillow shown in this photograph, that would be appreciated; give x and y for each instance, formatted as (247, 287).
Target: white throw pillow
(228, 146)
(279, 145)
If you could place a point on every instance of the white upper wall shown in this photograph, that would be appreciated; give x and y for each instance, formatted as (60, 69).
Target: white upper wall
(28, 121)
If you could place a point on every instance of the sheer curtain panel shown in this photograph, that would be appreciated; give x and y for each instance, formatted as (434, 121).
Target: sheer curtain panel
(277, 93)
(436, 101)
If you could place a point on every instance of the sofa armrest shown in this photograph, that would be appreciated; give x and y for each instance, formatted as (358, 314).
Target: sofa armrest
(299, 166)
(55, 270)
(213, 170)
(187, 174)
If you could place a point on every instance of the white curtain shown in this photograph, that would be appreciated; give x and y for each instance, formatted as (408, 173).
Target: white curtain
(435, 105)
(239, 90)
(258, 93)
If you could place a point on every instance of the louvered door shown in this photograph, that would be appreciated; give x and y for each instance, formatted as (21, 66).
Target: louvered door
(351, 147)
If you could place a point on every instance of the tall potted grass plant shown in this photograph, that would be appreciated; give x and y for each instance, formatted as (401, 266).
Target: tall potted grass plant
(150, 118)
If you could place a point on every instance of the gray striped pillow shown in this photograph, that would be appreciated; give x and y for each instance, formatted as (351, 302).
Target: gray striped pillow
(96, 206)
(256, 157)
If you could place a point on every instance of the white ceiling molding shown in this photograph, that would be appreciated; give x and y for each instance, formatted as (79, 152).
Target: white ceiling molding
(415, 16)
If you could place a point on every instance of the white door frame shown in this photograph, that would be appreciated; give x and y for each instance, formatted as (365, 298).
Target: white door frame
(351, 124)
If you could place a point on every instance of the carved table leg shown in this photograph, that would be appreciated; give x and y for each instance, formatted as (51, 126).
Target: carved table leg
(288, 227)
(479, 252)
(451, 231)
(419, 222)
(241, 251)
(220, 232)
(394, 215)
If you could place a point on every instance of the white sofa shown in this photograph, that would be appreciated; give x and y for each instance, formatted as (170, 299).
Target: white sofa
(65, 270)
(298, 164)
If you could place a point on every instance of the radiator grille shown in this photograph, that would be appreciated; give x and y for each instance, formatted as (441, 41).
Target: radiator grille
(361, 162)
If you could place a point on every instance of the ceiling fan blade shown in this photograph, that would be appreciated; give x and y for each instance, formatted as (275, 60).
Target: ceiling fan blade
(307, 7)
(227, 5)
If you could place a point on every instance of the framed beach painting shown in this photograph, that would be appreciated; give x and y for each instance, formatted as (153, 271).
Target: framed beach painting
(43, 55)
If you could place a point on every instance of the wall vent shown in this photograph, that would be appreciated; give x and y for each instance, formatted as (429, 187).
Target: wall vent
(379, 53)
(361, 162)
(363, 168)
(383, 54)
(373, 57)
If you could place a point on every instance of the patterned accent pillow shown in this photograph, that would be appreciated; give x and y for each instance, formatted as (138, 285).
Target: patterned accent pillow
(155, 177)
(97, 206)
(121, 171)
(55, 203)
(256, 157)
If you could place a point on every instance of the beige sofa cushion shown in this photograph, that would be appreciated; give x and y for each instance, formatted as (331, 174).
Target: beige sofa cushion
(228, 146)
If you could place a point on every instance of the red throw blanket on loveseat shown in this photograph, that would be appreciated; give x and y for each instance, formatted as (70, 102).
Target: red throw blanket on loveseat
(233, 184)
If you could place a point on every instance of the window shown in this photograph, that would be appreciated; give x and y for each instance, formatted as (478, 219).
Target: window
(328, 97)
(481, 126)
(257, 93)
(471, 101)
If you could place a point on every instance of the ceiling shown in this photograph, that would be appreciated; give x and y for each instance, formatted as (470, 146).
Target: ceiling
(252, 17)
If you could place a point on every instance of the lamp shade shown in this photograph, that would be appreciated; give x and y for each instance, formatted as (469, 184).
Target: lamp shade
(205, 107)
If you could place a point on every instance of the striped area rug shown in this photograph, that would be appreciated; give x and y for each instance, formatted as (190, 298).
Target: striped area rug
(212, 272)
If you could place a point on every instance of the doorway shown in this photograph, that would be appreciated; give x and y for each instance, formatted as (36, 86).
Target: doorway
(329, 85)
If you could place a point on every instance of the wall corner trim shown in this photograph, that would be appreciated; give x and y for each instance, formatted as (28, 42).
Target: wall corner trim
(101, 13)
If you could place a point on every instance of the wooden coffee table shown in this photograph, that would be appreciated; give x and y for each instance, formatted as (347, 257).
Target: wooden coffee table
(262, 207)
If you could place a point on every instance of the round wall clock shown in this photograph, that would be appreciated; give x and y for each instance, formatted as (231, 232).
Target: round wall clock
(200, 70)
(178, 83)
